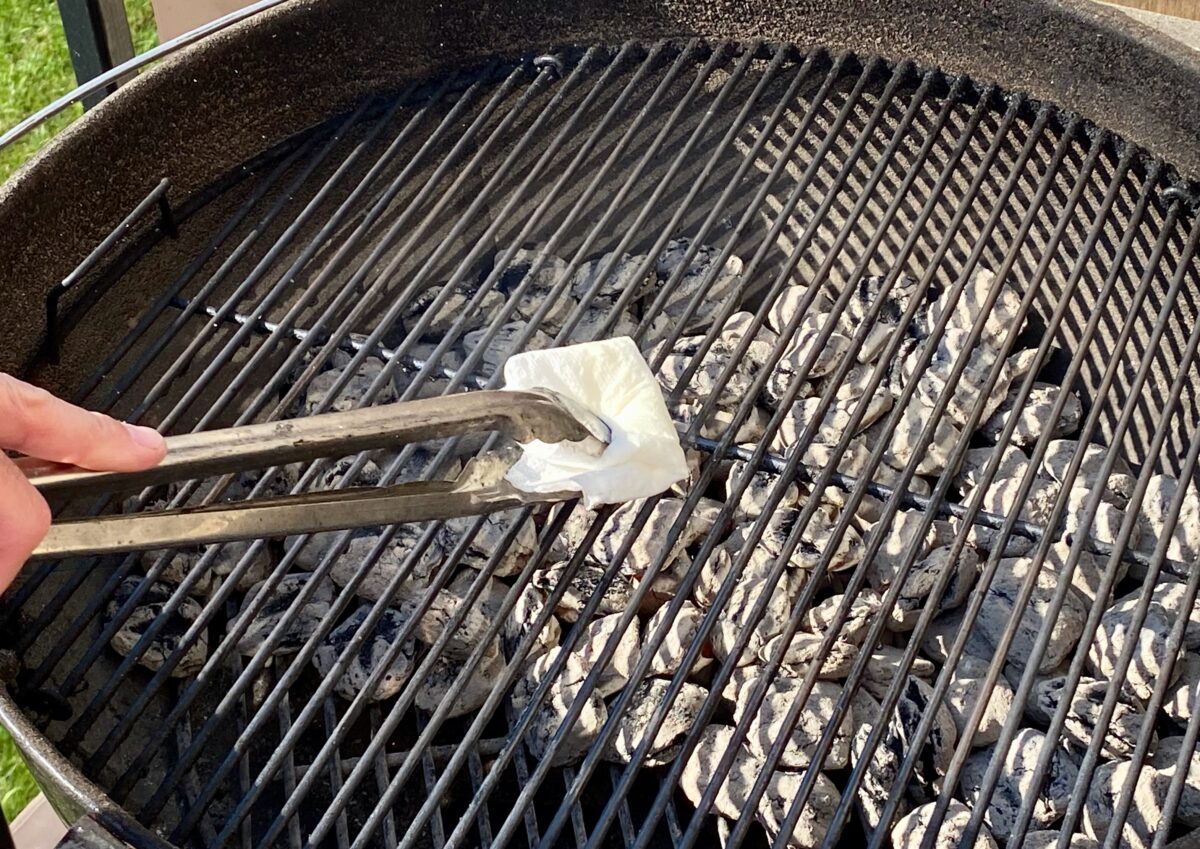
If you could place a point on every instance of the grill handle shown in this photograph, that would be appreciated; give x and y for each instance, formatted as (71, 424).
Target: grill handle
(522, 415)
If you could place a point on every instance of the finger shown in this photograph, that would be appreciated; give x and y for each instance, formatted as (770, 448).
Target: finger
(36, 423)
(24, 520)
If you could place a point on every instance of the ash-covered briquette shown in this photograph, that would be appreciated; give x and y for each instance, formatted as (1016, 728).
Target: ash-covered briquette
(838, 401)
(1083, 714)
(277, 601)
(909, 832)
(1150, 638)
(149, 610)
(370, 656)
(434, 690)
(222, 560)
(634, 725)
(1017, 780)
(963, 695)
(768, 724)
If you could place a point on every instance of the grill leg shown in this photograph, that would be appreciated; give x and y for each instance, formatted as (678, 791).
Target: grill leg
(98, 39)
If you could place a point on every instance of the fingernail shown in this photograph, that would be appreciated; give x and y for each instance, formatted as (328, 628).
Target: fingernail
(147, 437)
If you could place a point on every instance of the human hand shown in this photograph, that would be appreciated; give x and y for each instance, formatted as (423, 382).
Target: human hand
(34, 422)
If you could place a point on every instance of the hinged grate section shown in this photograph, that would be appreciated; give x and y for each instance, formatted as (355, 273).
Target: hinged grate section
(842, 268)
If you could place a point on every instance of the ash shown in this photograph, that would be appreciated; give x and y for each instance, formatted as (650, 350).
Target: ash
(785, 615)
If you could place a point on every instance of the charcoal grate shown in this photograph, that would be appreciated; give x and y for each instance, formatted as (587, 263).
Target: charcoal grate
(359, 258)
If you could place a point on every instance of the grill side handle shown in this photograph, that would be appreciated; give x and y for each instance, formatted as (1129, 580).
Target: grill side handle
(523, 415)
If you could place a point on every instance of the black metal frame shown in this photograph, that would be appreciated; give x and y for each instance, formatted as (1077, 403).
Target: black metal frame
(98, 39)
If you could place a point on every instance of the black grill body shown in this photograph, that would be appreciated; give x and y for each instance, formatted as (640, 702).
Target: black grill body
(222, 310)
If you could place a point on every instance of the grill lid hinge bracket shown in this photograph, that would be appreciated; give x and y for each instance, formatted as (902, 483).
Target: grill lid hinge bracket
(156, 199)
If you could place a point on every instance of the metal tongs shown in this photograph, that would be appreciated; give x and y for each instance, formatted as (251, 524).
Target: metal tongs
(521, 415)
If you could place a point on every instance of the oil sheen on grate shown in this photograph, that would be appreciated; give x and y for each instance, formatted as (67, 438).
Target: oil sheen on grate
(909, 595)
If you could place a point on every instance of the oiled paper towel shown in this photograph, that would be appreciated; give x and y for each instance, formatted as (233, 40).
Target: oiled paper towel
(612, 380)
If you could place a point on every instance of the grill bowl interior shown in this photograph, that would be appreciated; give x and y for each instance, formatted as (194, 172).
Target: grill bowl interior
(68, 687)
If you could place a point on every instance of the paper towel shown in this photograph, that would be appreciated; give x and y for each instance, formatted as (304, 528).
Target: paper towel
(612, 380)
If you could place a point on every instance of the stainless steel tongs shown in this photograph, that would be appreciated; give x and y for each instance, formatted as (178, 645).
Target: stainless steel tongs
(522, 415)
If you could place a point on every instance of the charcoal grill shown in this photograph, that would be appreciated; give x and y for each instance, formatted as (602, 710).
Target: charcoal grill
(276, 196)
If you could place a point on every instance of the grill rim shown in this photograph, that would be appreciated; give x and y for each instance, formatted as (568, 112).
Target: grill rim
(71, 794)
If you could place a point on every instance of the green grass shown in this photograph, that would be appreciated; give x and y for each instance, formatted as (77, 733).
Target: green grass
(16, 784)
(35, 70)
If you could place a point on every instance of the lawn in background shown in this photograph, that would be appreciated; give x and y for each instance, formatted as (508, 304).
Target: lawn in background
(35, 69)
(16, 784)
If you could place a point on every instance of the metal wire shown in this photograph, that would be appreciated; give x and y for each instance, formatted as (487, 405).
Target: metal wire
(1076, 804)
(825, 474)
(988, 475)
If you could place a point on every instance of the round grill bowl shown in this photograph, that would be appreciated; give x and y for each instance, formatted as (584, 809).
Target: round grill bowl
(253, 103)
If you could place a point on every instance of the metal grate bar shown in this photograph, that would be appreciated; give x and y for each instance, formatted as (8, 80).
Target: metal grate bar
(577, 826)
(154, 313)
(364, 626)
(806, 472)
(888, 703)
(875, 539)
(641, 519)
(785, 479)
(472, 736)
(1075, 806)
(289, 772)
(342, 830)
(381, 780)
(1092, 753)
(739, 829)
(311, 165)
(156, 199)
(521, 767)
(431, 361)
(277, 574)
(246, 707)
(722, 675)
(136, 368)
(344, 210)
(1091, 327)
(158, 343)
(624, 815)
(1181, 766)
(943, 680)
(437, 828)
(301, 660)
(897, 77)
(189, 787)
(1072, 472)
(475, 766)
(375, 212)
(1174, 647)
(22, 594)
(259, 272)
(672, 818)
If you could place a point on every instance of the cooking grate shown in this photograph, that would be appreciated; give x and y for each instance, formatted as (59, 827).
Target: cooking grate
(814, 168)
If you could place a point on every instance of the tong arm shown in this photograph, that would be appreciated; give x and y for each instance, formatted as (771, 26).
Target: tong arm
(310, 512)
(523, 415)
